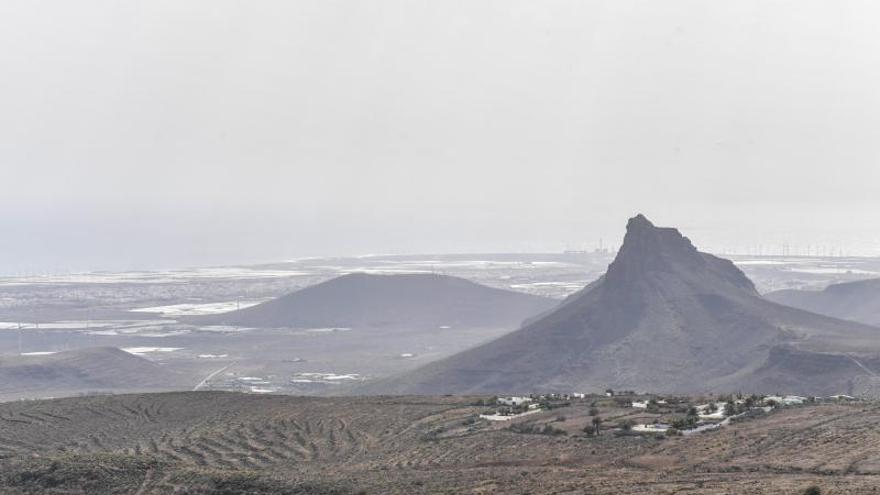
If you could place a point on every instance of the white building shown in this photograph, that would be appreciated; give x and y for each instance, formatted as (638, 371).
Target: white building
(643, 404)
(653, 428)
(707, 411)
(841, 397)
(788, 400)
(514, 401)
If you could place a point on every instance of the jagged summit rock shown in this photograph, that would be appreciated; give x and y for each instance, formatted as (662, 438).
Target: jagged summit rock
(665, 317)
(649, 252)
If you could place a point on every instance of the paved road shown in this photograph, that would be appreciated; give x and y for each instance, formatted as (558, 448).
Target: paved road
(212, 375)
(862, 366)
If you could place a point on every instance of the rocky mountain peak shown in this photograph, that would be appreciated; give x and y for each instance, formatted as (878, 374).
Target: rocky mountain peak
(647, 248)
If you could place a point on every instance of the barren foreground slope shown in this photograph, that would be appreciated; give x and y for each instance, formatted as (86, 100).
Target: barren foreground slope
(213, 442)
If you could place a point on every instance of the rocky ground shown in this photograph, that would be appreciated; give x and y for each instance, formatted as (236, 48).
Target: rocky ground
(214, 442)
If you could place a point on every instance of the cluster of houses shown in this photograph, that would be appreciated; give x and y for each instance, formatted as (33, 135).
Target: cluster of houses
(557, 397)
(700, 417)
(517, 406)
(714, 415)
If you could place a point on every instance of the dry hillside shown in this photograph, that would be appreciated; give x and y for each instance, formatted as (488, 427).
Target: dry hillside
(210, 442)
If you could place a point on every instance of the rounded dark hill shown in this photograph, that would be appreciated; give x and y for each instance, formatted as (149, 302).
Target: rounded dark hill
(400, 300)
(856, 301)
(665, 317)
(95, 369)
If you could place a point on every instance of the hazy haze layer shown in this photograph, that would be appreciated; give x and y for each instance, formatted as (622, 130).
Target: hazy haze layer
(166, 133)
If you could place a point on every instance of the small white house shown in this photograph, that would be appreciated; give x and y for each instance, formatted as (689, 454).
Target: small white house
(643, 404)
(841, 397)
(788, 400)
(705, 411)
(651, 428)
(513, 401)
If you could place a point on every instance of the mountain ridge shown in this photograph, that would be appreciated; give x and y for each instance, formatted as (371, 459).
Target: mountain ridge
(665, 317)
(857, 301)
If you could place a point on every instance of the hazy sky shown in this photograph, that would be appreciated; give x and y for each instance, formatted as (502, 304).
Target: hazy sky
(168, 133)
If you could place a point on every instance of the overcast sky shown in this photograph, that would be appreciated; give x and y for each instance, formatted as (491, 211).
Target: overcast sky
(175, 133)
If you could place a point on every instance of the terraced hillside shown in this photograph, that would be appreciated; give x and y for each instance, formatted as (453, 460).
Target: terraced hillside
(213, 429)
(212, 442)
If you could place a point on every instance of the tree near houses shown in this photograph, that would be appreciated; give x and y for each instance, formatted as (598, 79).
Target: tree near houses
(730, 409)
(597, 424)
